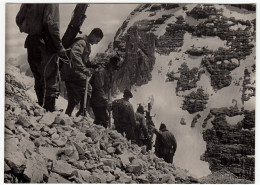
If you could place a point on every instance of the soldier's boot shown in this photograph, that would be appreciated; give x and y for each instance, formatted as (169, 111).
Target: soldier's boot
(49, 104)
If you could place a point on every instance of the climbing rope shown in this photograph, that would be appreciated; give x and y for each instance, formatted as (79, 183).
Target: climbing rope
(57, 59)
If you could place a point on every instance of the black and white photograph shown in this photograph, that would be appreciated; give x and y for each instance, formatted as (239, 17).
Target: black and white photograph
(139, 93)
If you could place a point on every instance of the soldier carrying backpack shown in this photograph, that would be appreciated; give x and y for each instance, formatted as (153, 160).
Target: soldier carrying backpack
(43, 43)
(75, 74)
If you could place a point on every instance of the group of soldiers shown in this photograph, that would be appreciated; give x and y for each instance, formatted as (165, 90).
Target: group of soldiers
(87, 84)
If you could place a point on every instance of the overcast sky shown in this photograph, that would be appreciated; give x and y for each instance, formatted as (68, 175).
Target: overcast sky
(108, 17)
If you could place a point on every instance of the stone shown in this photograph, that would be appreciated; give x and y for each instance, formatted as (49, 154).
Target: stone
(55, 136)
(56, 178)
(110, 178)
(8, 132)
(52, 131)
(79, 165)
(14, 156)
(36, 169)
(134, 168)
(6, 167)
(24, 121)
(124, 159)
(49, 152)
(62, 168)
(61, 141)
(34, 133)
(106, 168)
(26, 144)
(111, 150)
(25, 105)
(80, 150)
(124, 179)
(66, 120)
(109, 162)
(40, 141)
(10, 124)
(24, 133)
(47, 119)
(85, 174)
(17, 111)
(38, 111)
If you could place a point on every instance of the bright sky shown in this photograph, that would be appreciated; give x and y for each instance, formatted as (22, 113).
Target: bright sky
(108, 17)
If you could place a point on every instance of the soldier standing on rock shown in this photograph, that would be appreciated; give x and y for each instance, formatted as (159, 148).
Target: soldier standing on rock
(75, 75)
(101, 82)
(44, 47)
(141, 131)
(124, 116)
(165, 144)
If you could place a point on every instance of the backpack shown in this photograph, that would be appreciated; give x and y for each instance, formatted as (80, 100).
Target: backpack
(66, 67)
(29, 19)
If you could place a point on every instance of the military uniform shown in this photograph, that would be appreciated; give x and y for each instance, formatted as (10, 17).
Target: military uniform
(101, 82)
(124, 118)
(165, 145)
(42, 42)
(141, 131)
(74, 75)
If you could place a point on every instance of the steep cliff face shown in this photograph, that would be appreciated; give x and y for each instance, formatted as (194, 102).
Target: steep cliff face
(231, 147)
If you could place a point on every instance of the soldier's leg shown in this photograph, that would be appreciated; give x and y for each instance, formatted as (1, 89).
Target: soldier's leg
(50, 79)
(71, 101)
(34, 59)
(168, 158)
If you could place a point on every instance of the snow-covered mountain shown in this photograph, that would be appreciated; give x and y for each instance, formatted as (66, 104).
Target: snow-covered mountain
(191, 59)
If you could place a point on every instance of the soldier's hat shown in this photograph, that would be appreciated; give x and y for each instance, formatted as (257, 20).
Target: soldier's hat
(162, 126)
(128, 93)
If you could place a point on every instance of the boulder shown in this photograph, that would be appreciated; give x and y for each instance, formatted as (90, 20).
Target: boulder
(62, 168)
(26, 144)
(56, 178)
(24, 121)
(47, 119)
(49, 152)
(36, 169)
(10, 124)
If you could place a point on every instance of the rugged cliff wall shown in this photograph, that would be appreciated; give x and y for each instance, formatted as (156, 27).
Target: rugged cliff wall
(231, 147)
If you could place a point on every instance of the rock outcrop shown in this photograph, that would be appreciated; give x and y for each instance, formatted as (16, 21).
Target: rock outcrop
(231, 147)
(195, 101)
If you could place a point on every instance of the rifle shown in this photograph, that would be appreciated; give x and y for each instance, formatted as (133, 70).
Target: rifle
(75, 24)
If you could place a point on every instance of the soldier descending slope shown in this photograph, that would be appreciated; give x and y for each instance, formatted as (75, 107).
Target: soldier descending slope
(101, 82)
(124, 116)
(165, 144)
(141, 131)
(44, 46)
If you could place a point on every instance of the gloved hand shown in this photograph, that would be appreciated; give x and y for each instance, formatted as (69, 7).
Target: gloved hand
(87, 72)
(63, 53)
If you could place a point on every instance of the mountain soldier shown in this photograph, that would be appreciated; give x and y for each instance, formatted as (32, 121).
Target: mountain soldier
(75, 75)
(150, 126)
(101, 82)
(124, 116)
(165, 144)
(44, 47)
(141, 131)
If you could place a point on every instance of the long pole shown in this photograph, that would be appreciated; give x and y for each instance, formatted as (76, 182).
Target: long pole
(85, 98)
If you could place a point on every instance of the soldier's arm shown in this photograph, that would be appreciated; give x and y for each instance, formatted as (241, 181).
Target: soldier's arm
(132, 115)
(51, 21)
(144, 127)
(76, 56)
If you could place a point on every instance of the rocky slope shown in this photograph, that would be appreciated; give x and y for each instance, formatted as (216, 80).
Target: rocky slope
(54, 148)
(207, 53)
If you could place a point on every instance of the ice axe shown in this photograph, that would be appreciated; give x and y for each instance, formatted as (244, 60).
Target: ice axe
(85, 98)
